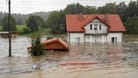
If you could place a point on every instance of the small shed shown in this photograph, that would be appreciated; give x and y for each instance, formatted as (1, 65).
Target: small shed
(5, 34)
(55, 44)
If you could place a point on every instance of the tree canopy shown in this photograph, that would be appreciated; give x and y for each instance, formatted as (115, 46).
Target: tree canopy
(32, 23)
(5, 25)
(56, 22)
(132, 25)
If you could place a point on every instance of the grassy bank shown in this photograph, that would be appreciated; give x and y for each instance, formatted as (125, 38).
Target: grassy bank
(130, 35)
(20, 28)
(39, 32)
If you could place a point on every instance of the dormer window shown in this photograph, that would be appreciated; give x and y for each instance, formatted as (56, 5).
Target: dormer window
(90, 26)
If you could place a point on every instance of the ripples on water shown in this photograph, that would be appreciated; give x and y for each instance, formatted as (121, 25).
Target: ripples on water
(22, 62)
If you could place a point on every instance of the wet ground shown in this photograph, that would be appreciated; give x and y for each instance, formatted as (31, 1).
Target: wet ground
(113, 61)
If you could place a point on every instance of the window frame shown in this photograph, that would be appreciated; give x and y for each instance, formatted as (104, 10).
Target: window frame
(90, 26)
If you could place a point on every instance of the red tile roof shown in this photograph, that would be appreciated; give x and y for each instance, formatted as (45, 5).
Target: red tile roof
(76, 22)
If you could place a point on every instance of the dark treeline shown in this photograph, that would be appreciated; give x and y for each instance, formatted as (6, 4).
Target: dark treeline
(21, 18)
(128, 14)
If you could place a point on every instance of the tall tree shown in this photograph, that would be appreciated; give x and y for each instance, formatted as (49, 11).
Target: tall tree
(32, 23)
(5, 24)
(132, 25)
(90, 10)
(109, 8)
(74, 9)
(40, 21)
(132, 9)
(56, 22)
(121, 10)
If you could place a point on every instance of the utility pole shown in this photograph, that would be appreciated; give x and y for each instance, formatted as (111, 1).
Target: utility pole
(9, 27)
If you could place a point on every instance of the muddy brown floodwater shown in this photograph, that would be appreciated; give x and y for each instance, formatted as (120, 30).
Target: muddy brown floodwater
(113, 61)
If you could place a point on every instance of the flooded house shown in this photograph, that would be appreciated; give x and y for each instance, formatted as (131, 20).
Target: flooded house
(93, 28)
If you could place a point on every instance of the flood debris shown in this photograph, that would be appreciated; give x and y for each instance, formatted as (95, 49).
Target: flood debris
(78, 63)
(54, 44)
(35, 66)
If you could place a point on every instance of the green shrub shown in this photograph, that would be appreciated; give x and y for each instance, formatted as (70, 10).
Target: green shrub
(37, 47)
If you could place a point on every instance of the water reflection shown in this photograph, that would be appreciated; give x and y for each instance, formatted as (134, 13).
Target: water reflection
(103, 53)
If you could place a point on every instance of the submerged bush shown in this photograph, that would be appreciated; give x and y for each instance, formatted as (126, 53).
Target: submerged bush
(37, 47)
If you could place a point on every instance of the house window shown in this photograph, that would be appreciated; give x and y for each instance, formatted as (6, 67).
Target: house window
(95, 24)
(90, 26)
(77, 40)
(95, 28)
(100, 27)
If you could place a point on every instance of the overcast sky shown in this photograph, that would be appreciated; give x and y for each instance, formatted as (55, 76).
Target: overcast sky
(29, 6)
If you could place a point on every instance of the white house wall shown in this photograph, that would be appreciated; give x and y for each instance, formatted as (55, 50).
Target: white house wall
(95, 38)
(115, 35)
(75, 37)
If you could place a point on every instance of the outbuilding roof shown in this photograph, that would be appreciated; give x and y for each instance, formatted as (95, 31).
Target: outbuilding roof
(55, 43)
(76, 22)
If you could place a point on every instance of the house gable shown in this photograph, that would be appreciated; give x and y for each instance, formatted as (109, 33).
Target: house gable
(96, 26)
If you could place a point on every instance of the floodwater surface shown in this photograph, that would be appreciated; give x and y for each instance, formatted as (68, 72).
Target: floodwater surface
(113, 61)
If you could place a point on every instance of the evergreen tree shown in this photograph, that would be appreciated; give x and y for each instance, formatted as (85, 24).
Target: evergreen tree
(132, 25)
(90, 10)
(74, 9)
(132, 9)
(37, 47)
(109, 8)
(121, 10)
